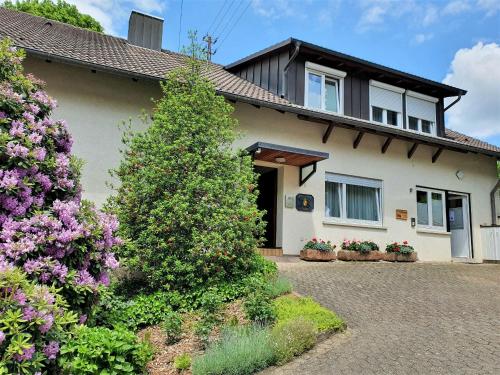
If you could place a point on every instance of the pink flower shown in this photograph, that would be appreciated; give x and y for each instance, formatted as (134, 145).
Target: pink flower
(2, 337)
(51, 349)
(27, 354)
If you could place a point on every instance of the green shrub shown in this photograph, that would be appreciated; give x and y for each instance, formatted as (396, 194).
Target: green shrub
(241, 351)
(259, 309)
(211, 301)
(291, 307)
(172, 326)
(141, 311)
(186, 199)
(182, 362)
(104, 351)
(277, 286)
(292, 338)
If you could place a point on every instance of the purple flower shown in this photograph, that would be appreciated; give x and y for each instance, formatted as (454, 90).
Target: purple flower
(39, 153)
(34, 108)
(29, 313)
(47, 325)
(51, 349)
(16, 150)
(17, 128)
(2, 337)
(104, 279)
(110, 261)
(29, 117)
(20, 297)
(82, 319)
(35, 138)
(27, 354)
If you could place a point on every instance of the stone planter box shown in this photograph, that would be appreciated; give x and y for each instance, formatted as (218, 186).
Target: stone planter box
(349, 255)
(317, 256)
(398, 257)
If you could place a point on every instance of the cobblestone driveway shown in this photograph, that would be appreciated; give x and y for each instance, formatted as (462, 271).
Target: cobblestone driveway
(403, 318)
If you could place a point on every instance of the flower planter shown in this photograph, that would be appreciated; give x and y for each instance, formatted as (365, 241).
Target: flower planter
(350, 255)
(398, 257)
(317, 256)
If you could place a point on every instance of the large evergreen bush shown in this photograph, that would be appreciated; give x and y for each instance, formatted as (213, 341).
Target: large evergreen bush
(187, 200)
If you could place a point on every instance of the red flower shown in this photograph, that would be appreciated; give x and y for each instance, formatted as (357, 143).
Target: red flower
(396, 249)
(315, 239)
(405, 242)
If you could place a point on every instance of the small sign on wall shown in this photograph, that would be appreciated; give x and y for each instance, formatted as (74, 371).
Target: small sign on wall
(401, 214)
(304, 202)
(289, 201)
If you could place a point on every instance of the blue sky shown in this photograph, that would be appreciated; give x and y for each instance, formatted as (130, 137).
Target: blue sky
(456, 40)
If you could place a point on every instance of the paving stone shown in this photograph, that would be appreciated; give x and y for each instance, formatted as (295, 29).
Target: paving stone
(418, 318)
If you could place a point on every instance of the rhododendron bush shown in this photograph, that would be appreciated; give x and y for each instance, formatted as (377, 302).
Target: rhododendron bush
(33, 322)
(45, 227)
(46, 230)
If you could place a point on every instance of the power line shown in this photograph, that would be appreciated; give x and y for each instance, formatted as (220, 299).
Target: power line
(233, 26)
(230, 18)
(217, 16)
(180, 28)
(223, 17)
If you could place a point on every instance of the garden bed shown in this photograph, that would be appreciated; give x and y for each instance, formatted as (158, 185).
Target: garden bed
(352, 255)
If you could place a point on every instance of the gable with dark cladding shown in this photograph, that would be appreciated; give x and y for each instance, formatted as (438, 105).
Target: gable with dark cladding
(267, 72)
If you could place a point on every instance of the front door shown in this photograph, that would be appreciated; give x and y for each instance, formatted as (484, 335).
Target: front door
(458, 216)
(267, 200)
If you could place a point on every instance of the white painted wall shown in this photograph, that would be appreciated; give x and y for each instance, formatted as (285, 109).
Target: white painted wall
(398, 173)
(94, 104)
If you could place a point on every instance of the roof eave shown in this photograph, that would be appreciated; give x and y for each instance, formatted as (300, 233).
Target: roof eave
(360, 125)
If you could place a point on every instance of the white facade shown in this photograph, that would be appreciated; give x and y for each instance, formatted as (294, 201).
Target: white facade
(94, 104)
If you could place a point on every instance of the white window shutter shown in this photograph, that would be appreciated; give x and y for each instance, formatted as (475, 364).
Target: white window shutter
(420, 108)
(386, 99)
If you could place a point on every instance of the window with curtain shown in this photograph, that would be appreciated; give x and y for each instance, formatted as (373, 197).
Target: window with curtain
(431, 209)
(353, 199)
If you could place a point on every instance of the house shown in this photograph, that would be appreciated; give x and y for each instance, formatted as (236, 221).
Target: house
(345, 148)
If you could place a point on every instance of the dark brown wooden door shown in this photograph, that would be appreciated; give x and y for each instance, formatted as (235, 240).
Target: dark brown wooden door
(268, 187)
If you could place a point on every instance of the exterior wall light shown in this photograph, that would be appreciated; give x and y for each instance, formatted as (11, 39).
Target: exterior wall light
(280, 160)
(460, 175)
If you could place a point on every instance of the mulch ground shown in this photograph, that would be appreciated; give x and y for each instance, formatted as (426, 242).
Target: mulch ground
(163, 360)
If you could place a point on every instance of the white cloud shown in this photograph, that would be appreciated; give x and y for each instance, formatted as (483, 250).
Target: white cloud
(110, 13)
(456, 7)
(476, 70)
(327, 14)
(421, 38)
(491, 7)
(276, 9)
(374, 13)
(431, 15)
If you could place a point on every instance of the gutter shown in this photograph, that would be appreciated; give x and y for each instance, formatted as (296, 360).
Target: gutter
(493, 203)
(285, 69)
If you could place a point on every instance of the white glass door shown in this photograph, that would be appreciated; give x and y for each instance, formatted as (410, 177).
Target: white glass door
(458, 216)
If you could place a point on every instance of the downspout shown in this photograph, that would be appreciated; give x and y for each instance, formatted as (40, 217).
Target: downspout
(494, 204)
(452, 103)
(285, 69)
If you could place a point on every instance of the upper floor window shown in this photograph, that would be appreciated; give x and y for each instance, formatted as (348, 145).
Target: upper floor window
(421, 113)
(386, 103)
(324, 88)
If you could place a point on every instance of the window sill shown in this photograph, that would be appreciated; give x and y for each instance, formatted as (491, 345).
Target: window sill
(433, 231)
(358, 225)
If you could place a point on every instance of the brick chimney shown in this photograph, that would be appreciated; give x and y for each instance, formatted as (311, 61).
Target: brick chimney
(145, 30)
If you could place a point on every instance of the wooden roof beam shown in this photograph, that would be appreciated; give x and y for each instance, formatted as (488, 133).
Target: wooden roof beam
(328, 132)
(435, 157)
(358, 139)
(386, 145)
(412, 150)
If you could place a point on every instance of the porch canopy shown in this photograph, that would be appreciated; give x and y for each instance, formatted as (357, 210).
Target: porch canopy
(287, 155)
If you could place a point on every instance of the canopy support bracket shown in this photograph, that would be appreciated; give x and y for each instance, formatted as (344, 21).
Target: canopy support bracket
(303, 179)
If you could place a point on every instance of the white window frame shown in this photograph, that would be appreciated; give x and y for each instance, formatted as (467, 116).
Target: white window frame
(429, 209)
(345, 180)
(325, 72)
(431, 99)
(396, 89)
